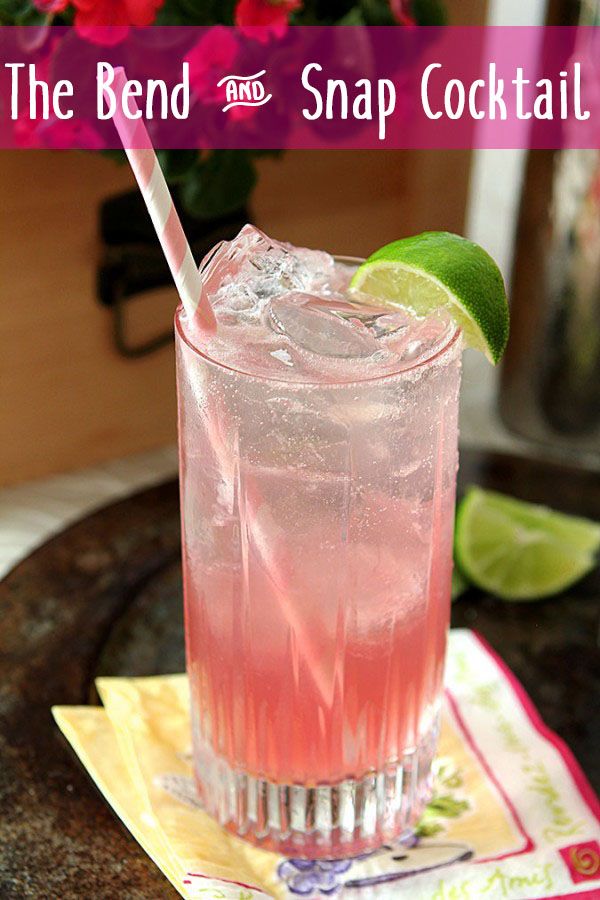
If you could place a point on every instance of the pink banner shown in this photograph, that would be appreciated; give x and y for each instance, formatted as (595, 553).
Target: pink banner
(319, 87)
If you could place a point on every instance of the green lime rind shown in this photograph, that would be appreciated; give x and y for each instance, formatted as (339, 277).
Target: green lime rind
(521, 551)
(438, 269)
(459, 584)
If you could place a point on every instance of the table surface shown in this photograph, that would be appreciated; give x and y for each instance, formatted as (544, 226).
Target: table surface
(104, 597)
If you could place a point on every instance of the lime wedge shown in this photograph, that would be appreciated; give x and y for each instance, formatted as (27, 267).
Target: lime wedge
(521, 551)
(459, 584)
(437, 269)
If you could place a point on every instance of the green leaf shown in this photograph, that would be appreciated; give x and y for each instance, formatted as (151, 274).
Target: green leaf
(117, 156)
(448, 776)
(428, 829)
(353, 17)
(377, 12)
(196, 12)
(429, 12)
(15, 11)
(220, 184)
(32, 17)
(447, 806)
(176, 164)
(325, 12)
(459, 584)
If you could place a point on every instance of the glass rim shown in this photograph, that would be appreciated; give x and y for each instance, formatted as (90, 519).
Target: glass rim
(425, 362)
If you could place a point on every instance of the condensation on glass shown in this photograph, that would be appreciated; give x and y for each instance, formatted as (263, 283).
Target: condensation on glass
(317, 554)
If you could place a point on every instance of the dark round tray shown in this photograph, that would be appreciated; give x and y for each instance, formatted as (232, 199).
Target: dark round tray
(104, 597)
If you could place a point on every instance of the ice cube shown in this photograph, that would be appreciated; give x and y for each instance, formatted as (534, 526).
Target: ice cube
(242, 275)
(320, 270)
(327, 327)
(227, 259)
(423, 339)
(283, 356)
(286, 312)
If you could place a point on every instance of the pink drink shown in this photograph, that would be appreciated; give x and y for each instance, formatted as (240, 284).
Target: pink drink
(318, 458)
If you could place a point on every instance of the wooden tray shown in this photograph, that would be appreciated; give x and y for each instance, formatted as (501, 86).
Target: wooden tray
(104, 597)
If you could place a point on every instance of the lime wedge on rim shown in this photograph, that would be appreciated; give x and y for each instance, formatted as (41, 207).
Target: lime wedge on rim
(459, 584)
(438, 269)
(521, 551)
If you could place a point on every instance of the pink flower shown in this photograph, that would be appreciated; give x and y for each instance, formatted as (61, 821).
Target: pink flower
(92, 15)
(270, 15)
(51, 7)
(401, 12)
(56, 134)
(210, 59)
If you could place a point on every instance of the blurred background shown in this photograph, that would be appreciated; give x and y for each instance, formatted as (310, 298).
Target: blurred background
(87, 369)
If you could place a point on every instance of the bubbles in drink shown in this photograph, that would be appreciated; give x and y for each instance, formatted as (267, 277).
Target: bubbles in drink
(317, 515)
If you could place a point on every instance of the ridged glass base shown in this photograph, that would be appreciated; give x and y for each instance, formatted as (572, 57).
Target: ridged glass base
(329, 820)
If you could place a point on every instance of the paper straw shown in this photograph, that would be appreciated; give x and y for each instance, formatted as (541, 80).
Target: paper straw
(146, 168)
(144, 162)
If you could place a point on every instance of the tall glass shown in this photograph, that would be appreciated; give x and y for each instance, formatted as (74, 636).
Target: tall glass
(317, 556)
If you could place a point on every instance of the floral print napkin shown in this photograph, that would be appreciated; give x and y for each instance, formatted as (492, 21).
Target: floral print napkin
(511, 815)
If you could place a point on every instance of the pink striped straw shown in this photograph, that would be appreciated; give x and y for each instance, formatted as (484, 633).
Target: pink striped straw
(157, 197)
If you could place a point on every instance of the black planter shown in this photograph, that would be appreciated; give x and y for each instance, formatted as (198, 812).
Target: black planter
(132, 261)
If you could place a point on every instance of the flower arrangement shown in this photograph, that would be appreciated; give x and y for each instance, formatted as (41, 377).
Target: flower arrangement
(216, 183)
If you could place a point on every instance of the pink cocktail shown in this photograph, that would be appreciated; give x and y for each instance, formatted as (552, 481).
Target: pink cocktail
(318, 439)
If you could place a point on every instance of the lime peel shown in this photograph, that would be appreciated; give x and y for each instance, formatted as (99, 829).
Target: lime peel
(521, 551)
(436, 270)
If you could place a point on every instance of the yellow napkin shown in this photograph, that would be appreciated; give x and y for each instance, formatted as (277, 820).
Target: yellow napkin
(137, 750)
